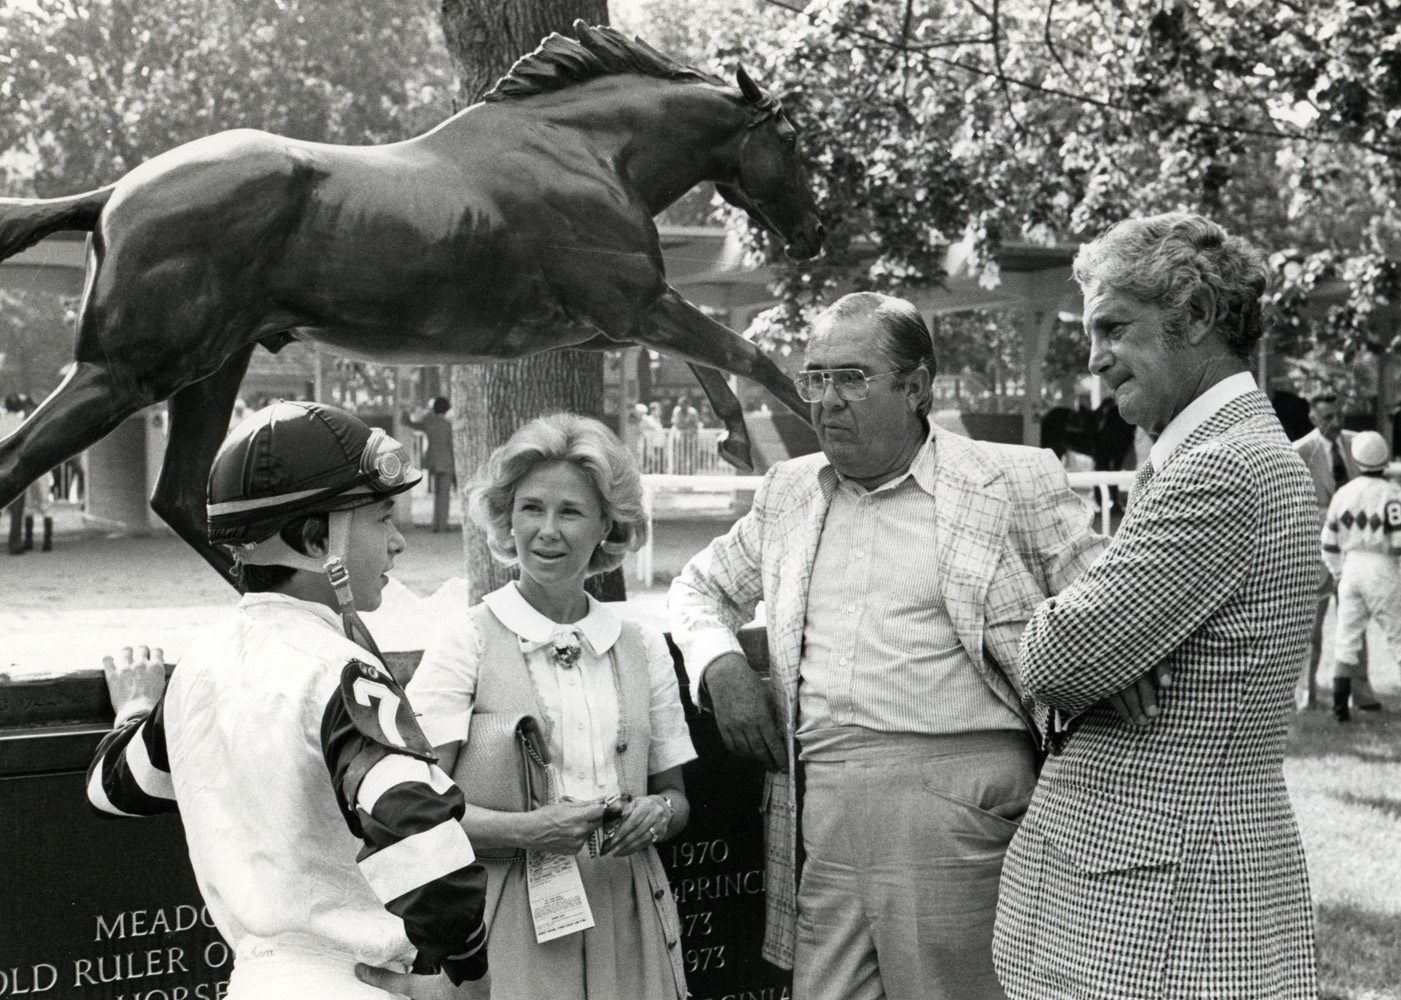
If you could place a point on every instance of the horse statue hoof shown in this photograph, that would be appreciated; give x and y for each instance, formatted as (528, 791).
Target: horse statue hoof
(735, 451)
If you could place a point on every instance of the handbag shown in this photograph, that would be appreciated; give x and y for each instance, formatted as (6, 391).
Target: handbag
(505, 766)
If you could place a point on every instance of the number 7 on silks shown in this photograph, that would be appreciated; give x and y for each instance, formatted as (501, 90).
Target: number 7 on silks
(388, 784)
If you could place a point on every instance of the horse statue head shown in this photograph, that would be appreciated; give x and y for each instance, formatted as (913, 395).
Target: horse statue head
(752, 154)
(771, 185)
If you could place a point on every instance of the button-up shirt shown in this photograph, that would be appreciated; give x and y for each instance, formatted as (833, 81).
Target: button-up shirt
(1196, 413)
(879, 649)
(580, 701)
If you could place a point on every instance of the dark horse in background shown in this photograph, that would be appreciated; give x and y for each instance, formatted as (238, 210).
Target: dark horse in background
(521, 224)
(1100, 433)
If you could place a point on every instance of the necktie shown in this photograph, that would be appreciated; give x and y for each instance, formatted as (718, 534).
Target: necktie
(1140, 481)
(1340, 475)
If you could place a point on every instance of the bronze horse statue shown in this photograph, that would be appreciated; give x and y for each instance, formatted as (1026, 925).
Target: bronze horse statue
(520, 224)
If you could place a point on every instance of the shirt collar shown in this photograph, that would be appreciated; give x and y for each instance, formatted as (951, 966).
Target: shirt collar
(1196, 413)
(599, 627)
(271, 600)
(921, 469)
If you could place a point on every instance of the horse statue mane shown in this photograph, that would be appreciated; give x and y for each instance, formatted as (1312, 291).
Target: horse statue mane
(561, 61)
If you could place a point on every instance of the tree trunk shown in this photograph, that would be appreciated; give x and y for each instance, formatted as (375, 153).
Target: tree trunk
(491, 401)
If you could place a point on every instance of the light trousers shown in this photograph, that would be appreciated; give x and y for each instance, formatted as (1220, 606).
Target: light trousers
(283, 972)
(904, 841)
(442, 499)
(1369, 589)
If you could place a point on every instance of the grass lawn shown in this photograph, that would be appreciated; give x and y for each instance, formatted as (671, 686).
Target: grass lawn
(1345, 783)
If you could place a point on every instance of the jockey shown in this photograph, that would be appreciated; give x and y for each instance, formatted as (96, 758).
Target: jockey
(321, 831)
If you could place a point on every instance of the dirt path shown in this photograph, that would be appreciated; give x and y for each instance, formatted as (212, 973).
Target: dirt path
(64, 610)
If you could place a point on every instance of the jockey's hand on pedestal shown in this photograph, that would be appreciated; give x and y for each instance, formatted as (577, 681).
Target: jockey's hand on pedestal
(134, 682)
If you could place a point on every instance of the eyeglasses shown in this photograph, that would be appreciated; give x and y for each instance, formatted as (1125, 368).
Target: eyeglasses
(852, 384)
(385, 463)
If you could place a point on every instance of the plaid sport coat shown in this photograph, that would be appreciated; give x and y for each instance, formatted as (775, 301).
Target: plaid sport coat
(1165, 861)
(1010, 532)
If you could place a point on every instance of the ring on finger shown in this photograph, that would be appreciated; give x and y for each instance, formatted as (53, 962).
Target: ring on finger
(653, 832)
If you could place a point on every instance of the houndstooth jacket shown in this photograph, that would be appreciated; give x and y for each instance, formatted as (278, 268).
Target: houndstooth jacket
(1165, 861)
(1010, 532)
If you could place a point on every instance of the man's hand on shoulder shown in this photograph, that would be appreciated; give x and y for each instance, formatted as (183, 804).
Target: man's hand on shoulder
(746, 712)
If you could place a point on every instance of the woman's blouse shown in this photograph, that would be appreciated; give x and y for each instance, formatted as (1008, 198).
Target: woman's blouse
(580, 702)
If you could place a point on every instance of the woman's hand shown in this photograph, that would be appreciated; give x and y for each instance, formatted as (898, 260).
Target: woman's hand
(562, 827)
(643, 823)
(135, 683)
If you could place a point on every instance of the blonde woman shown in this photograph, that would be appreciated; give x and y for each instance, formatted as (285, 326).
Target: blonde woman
(562, 500)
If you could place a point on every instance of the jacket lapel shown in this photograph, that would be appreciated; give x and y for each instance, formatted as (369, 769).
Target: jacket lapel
(794, 573)
(1244, 407)
(971, 512)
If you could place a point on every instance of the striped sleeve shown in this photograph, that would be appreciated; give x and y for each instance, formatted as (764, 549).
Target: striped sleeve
(408, 814)
(130, 774)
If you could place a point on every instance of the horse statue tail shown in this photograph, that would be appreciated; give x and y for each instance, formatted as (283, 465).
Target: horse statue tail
(26, 221)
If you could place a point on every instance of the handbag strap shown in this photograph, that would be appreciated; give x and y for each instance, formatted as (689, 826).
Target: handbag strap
(532, 750)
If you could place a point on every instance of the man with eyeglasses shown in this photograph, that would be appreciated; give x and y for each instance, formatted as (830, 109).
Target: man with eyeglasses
(897, 569)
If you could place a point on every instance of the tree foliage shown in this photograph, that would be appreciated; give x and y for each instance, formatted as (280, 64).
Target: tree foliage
(929, 121)
(91, 88)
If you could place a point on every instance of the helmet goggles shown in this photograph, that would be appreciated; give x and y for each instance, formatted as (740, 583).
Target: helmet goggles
(293, 459)
(385, 464)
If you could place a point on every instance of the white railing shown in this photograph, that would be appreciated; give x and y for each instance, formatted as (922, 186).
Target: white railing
(1085, 483)
(664, 492)
(672, 452)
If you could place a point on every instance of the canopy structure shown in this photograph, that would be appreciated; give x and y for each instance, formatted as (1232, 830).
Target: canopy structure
(706, 264)
(1033, 281)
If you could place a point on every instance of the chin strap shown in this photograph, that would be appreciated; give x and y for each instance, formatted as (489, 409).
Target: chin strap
(337, 545)
(355, 628)
(276, 552)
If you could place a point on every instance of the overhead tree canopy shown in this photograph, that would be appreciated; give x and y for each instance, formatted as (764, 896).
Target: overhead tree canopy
(92, 88)
(1045, 120)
